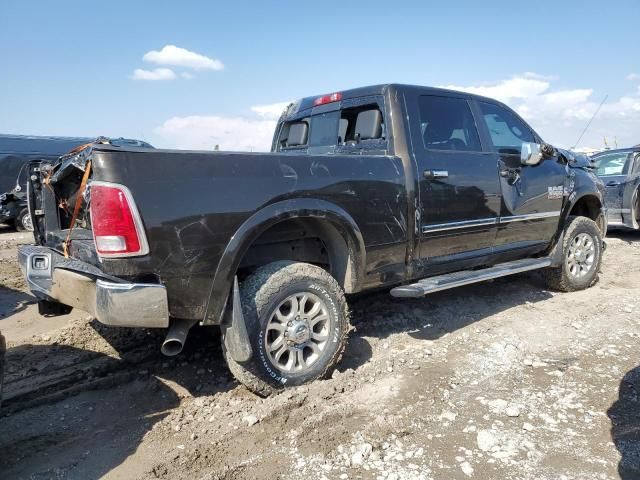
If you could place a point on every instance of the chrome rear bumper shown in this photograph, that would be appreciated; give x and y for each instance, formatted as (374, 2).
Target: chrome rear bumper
(78, 284)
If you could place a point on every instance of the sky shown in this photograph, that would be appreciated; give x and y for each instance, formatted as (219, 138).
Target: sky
(194, 74)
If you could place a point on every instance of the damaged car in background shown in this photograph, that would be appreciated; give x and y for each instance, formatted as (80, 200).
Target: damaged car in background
(620, 171)
(408, 188)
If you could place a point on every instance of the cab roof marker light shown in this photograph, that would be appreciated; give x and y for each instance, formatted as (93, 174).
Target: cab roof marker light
(332, 97)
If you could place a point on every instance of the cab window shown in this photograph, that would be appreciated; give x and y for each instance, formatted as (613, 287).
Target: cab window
(506, 130)
(294, 135)
(612, 164)
(358, 127)
(324, 129)
(447, 123)
(364, 123)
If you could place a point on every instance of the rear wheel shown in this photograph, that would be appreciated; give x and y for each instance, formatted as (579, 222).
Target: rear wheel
(297, 321)
(581, 256)
(23, 221)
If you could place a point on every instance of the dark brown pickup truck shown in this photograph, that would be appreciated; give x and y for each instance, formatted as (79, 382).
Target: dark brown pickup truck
(410, 188)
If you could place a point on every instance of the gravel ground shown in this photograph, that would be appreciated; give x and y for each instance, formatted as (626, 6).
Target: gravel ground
(498, 380)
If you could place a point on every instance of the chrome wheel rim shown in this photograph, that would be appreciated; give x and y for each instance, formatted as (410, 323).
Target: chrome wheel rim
(297, 332)
(581, 255)
(27, 223)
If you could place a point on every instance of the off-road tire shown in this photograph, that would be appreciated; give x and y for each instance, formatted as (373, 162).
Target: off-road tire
(260, 294)
(558, 278)
(20, 224)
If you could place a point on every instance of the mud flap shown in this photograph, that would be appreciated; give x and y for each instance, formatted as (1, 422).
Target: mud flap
(236, 339)
(557, 254)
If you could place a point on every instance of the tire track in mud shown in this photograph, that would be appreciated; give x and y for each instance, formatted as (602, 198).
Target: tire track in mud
(57, 372)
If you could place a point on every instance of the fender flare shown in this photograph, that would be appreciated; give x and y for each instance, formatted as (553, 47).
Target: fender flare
(265, 218)
(575, 196)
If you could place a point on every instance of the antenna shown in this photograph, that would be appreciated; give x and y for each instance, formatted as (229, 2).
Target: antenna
(591, 120)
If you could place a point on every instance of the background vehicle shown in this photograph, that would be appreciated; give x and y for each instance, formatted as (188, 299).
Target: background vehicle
(411, 188)
(3, 348)
(16, 151)
(620, 172)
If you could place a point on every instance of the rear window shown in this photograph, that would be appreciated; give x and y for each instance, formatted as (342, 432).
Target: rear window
(359, 126)
(294, 134)
(324, 129)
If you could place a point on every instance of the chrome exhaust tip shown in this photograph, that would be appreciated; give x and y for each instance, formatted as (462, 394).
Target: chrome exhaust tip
(176, 337)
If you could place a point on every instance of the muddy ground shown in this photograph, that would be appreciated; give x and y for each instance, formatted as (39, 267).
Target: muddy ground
(501, 380)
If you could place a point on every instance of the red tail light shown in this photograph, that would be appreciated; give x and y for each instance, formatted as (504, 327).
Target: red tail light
(117, 228)
(334, 97)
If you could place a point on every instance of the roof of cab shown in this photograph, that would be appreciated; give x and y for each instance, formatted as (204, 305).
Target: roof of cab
(618, 150)
(307, 102)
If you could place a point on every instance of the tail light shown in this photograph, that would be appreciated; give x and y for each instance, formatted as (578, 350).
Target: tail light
(116, 224)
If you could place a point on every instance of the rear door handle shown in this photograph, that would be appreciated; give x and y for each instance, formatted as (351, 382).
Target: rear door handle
(613, 183)
(436, 174)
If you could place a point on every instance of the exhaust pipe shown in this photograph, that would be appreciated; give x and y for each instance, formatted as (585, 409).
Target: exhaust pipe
(176, 336)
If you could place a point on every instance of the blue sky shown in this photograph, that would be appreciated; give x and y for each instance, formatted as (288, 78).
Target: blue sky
(68, 67)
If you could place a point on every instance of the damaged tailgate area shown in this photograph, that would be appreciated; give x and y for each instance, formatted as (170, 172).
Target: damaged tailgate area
(54, 190)
(63, 269)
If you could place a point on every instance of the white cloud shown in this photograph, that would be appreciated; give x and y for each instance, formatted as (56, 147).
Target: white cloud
(205, 132)
(633, 76)
(156, 74)
(273, 110)
(187, 75)
(181, 57)
(559, 116)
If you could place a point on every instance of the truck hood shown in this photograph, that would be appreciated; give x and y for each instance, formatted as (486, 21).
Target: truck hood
(576, 160)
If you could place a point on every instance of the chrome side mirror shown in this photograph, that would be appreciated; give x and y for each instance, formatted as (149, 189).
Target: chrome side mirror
(530, 154)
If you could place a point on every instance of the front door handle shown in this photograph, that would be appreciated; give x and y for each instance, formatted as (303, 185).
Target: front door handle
(613, 183)
(436, 174)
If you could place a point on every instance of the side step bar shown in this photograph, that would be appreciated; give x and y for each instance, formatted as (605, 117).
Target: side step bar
(466, 277)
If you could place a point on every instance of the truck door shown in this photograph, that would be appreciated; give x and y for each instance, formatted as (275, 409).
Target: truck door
(532, 196)
(612, 169)
(458, 184)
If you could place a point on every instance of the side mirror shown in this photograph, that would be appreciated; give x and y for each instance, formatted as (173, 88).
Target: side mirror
(530, 154)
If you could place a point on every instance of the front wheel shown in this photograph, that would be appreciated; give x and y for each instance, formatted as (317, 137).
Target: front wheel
(23, 221)
(297, 321)
(581, 256)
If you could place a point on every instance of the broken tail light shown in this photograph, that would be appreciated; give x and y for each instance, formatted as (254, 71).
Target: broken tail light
(117, 227)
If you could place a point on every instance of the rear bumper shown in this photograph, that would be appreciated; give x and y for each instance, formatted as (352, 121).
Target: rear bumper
(77, 284)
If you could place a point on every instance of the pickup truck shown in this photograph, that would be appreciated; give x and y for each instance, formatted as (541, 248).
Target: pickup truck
(409, 188)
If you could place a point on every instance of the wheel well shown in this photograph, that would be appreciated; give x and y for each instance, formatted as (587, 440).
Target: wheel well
(308, 240)
(589, 206)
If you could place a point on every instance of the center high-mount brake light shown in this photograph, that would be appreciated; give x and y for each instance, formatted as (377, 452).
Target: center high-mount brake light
(116, 224)
(333, 97)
